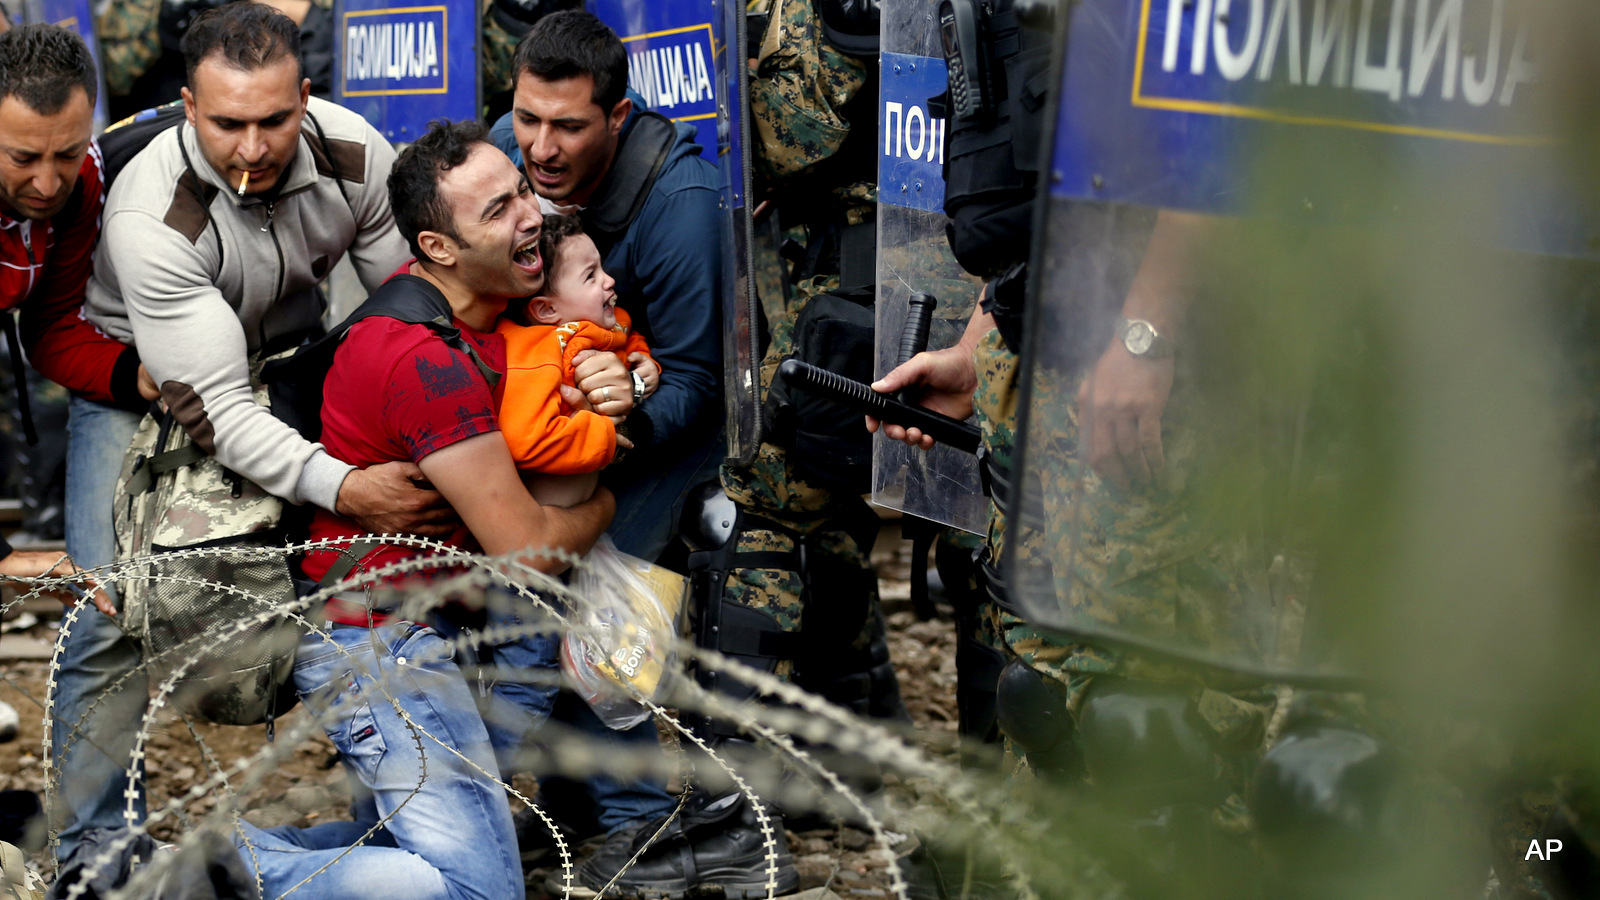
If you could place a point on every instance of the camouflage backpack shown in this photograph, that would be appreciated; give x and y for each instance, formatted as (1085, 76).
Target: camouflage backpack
(216, 614)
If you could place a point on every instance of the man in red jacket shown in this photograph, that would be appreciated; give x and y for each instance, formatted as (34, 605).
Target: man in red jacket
(51, 192)
(52, 188)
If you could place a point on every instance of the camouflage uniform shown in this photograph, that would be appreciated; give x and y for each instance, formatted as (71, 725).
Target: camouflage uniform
(796, 92)
(495, 58)
(129, 32)
(1142, 559)
(129, 42)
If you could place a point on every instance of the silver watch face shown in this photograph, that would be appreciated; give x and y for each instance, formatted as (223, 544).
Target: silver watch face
(1139, 337)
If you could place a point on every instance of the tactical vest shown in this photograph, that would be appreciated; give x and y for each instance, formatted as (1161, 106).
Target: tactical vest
(994, 156)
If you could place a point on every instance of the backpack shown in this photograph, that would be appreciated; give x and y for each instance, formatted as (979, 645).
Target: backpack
(122, 140)
(826, 441)
(295, 380)
(173, 496)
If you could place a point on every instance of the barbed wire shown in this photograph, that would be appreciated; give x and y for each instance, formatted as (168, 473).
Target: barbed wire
(778, 715)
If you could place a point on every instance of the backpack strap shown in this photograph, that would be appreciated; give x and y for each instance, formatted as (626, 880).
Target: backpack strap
(296, 381)
(349, 558)
(621, 196)
(416, 301)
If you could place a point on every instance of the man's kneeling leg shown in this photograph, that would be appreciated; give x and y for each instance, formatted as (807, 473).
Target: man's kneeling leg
(394, 704)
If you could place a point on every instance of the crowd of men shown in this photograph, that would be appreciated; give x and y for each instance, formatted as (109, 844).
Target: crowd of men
(161, 286)
(207, 251)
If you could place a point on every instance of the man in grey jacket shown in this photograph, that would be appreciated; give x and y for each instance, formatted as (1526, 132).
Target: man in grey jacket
(214, 239)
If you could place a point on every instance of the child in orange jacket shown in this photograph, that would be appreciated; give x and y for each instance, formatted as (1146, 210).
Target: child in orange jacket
(577, 311)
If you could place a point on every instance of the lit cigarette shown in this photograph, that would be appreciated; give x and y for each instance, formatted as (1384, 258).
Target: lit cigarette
(244, 183)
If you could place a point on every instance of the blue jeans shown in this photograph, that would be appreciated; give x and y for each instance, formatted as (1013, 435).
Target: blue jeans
(93, 769)
(449, 834)
(514, 710)
(616, 802)
(650, 500)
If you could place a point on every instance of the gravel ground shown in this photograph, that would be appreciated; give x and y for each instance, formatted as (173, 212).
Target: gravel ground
(310, 785)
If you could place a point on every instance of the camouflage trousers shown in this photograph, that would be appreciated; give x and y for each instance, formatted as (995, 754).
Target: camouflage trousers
(770, 489)
(1139, 560)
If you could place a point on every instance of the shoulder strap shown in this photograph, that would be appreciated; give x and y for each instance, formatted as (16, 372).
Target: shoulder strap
(333, 163)
(416, 301)
(627, 186)
(296, 381)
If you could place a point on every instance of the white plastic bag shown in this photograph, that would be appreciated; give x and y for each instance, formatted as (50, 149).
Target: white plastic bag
(627, 613)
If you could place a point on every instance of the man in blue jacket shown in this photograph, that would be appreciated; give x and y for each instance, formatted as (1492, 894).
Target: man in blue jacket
(650, 201)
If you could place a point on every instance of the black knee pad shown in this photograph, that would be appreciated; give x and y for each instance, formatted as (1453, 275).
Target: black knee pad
(708, 517)
(1033, 713)
(861, 679)
(1323, 793)
(1144, 743)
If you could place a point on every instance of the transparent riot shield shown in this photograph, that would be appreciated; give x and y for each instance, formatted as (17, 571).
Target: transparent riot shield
(686, 59)
(77, 15)
(1303, 392)
(914, 257)
(402, 65)
(741, 309)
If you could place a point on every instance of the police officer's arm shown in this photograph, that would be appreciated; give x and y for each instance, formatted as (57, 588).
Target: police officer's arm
(1121, 402)
(477, 476)
(946, 378)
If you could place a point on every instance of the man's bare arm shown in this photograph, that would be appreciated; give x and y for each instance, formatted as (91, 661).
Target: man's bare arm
(477, 477)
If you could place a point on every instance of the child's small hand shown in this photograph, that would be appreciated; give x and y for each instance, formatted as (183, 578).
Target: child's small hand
(649, 370)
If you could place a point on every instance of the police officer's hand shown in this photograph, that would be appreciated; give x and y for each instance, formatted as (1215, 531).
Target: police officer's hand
(1119, 415)
(53, 563)
(946, 378)
(604, 379)
(393, 497)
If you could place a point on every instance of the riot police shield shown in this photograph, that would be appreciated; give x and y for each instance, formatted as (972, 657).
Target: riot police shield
(914, 258)
(401, 65)
(686, 59)
(1287, 265)
(77, 15)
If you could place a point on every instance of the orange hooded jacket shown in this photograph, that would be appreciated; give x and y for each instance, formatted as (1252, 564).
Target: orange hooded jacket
(544, 432)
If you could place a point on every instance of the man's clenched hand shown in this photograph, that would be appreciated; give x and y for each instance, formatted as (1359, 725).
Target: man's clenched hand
(604, 379)
(30, 564)
(389, 498)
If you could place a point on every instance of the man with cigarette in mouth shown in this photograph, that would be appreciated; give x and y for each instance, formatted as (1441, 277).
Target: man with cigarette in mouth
(214, 240)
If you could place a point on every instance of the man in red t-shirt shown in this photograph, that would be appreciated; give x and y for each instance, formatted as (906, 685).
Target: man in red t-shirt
(399, 392)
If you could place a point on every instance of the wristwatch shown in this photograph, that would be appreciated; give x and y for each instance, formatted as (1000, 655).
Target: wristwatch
(1142, 340)
(638, 387)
